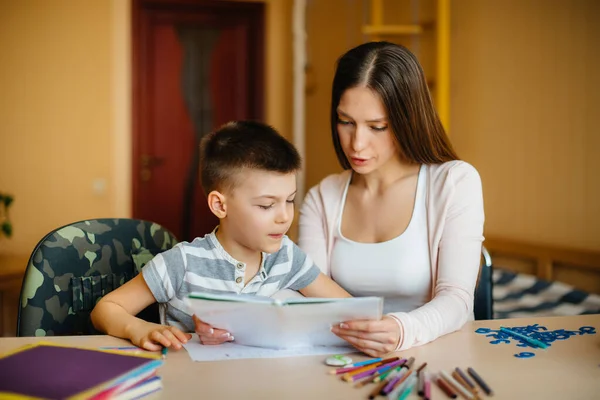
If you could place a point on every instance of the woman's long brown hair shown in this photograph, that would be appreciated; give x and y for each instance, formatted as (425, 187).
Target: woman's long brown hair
(395, 74)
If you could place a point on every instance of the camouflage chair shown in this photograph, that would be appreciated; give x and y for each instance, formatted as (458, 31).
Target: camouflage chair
(72, 267)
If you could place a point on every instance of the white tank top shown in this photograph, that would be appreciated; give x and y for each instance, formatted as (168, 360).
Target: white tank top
(398, 269)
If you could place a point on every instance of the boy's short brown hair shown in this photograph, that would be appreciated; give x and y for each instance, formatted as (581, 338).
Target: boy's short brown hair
(243, 144)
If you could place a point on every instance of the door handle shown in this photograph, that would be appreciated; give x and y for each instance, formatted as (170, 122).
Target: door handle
(148, 162)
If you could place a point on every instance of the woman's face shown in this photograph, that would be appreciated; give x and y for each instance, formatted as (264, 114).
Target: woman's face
(364, 131)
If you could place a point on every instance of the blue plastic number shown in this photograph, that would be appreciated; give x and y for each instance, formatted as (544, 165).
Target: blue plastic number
(590, 330)
(525, 354)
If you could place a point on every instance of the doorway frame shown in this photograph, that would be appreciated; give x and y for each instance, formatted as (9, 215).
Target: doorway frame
(141, 12)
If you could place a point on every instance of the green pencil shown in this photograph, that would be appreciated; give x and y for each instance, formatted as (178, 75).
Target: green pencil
(525, 338)
(383, 376)
(164, 352)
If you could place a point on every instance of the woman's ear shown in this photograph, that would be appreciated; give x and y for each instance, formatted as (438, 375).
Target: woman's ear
(217, 204)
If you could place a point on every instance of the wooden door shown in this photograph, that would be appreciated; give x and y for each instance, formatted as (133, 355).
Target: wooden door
(196, 65)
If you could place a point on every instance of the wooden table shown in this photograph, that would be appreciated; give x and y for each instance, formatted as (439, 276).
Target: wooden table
(569, 369)
(12, 268)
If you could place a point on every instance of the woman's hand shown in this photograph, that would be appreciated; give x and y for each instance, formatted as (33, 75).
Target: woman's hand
(375, 338)
(209, 335)
(154, 337)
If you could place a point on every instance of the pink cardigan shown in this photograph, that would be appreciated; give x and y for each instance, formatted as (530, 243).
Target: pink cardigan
(455, 228)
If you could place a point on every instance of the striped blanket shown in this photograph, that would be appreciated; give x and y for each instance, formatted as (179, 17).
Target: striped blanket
(521, 295)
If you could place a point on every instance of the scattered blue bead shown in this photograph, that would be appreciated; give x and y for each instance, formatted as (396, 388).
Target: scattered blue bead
(525, 354)
(587, 329)
(534, 331)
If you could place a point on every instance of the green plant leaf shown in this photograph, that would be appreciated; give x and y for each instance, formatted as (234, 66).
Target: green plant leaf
(8, 200)
(7, 228)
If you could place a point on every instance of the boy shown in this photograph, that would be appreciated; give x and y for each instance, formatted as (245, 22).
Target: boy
(248, 173)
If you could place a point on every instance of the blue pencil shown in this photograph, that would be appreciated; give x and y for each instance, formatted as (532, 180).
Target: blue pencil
(529, 340)
(367, 362)
(119, 348)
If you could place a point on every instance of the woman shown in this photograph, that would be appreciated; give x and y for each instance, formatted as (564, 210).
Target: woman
(405, 219)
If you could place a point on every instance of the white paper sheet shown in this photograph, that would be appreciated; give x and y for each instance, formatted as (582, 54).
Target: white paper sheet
(285, 326)
(233, 351)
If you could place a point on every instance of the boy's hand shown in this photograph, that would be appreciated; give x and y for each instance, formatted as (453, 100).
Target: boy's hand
(154, 337)
(209, 335)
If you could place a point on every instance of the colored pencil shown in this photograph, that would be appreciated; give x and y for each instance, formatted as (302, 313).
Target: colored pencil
(371, 379)
(366, 362)
(392, 382)
(465, 378)
(456, 386)
(480, 381)
(409, 363)
(445, 387)
(374, 370)
(119, 348)
(401, 386)
(353, 367)
(409, 388)
(348, 375)
(375, 392)
(464, 384)
(427, 395)
(526, 338)
(347, 368)
(408, 373)
(387, 373)
(421, 383)
(164, 352)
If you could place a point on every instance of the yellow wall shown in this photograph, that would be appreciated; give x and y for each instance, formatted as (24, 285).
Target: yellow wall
(279, 65)
(55, 114)
(524, 92)
(65, 108)
(525, 98)
(327, 38)
(524, 95)
(278, 74)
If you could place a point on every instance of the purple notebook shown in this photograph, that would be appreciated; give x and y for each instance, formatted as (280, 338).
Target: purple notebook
(58, 372)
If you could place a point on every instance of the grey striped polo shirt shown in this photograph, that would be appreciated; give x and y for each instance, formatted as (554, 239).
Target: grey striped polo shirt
(204, 266)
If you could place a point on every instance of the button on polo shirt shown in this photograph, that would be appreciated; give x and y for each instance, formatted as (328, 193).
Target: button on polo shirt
(240, 270)
(240, 274)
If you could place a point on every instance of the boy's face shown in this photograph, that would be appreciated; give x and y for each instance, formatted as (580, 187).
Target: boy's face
(260, 209)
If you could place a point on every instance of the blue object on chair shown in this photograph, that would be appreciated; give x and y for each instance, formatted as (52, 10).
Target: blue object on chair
(72, 267)
(483, 307)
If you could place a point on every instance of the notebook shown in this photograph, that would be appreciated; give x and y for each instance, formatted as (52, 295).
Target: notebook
(129, 391)
(47, 370)
(282, 324)
(143, 388)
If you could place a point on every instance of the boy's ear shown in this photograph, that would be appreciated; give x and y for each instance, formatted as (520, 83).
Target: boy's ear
(217, 204)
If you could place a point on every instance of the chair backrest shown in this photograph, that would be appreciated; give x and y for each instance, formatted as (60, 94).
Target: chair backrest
(484, 301)
(72, 267)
